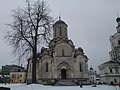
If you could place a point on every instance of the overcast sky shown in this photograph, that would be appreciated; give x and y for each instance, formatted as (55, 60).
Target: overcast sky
(90, 24)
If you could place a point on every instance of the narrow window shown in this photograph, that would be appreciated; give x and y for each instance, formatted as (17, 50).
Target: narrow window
(62, 52)
(118, 42)
(46, 66)
(30, 68)
(13, 76)
(110, 70)
(60, 32)
(116, 70)
(55, 32)
(20, 75)
(80, 66)
(115, 80)
(65, 32)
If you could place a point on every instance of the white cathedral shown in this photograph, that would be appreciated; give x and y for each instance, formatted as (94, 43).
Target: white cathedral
(60, 63)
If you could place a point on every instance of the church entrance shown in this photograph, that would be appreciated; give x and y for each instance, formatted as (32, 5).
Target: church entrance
(63, 73)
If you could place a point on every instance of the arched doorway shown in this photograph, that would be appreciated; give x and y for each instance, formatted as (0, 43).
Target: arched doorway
(63, 73)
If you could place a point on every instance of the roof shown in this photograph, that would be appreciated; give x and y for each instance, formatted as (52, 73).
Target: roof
(59, 22)
(91, 72)
(110, 62)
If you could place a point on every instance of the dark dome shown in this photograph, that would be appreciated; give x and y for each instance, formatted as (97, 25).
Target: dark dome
(118, 19)
(60, 22)
(91, 68)
(80, 49)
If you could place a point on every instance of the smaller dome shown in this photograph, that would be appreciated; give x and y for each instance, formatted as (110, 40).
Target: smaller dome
(118, 19)
(80, 49)
(59, 22)
(91, 68)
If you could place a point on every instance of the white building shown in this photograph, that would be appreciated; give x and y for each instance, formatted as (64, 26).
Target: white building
(93, 76)
(61, 62)
(110, 70)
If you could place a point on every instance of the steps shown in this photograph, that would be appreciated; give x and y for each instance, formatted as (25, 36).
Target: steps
(65, 82)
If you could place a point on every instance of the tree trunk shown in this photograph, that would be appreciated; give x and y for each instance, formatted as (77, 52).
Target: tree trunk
(34, 59)
(34, 70)
(34, 66)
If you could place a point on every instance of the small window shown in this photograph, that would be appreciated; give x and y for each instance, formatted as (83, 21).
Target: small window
(80, 66)
(13, 75)
(110, 70)
(60, 31)
(18, 70)
(46, 66)
(118, 42)
(55, 32)
(62, 52)
(30, 68)
(115, 80)
(116, 70)
(20, 75)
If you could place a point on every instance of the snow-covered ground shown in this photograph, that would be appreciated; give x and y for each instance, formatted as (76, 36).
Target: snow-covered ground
(42, 87)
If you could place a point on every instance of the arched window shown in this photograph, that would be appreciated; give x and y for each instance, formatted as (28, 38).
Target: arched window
(63, 52)
(110, 70)
(118, 42)
(116, 69)
(60, 31)
(80, 66)
(30, 68)
(55, 32)
(46, 66)
(115, 80)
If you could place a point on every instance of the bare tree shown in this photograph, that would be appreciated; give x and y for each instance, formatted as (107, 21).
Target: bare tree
(30, 26)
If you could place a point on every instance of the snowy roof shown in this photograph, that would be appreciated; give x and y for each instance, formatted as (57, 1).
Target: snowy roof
(110, 62)
(91, 72)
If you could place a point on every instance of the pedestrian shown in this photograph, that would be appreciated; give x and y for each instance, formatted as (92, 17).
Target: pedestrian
(81, 86)
(119, 85)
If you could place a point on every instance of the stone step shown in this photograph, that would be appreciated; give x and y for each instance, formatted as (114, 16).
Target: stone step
(65, 83)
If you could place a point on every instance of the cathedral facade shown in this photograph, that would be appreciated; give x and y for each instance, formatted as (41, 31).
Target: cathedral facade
(60, 61)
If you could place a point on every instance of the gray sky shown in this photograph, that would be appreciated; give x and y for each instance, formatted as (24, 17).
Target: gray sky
(90, 23)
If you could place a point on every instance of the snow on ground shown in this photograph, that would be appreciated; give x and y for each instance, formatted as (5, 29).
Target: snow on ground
(42, 87)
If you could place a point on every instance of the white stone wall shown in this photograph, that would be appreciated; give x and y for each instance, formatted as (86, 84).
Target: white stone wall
(107, 76)
(29, 71)
(92, 79)
(79, 60)
(44, 73)
(63, 49)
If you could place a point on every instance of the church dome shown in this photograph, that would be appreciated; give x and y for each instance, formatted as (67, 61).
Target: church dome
(80, 49)
(118, 19)
(59, 22)
(91, 68)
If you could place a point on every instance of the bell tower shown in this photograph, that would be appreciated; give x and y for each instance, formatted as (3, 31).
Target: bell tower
(60, 29)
